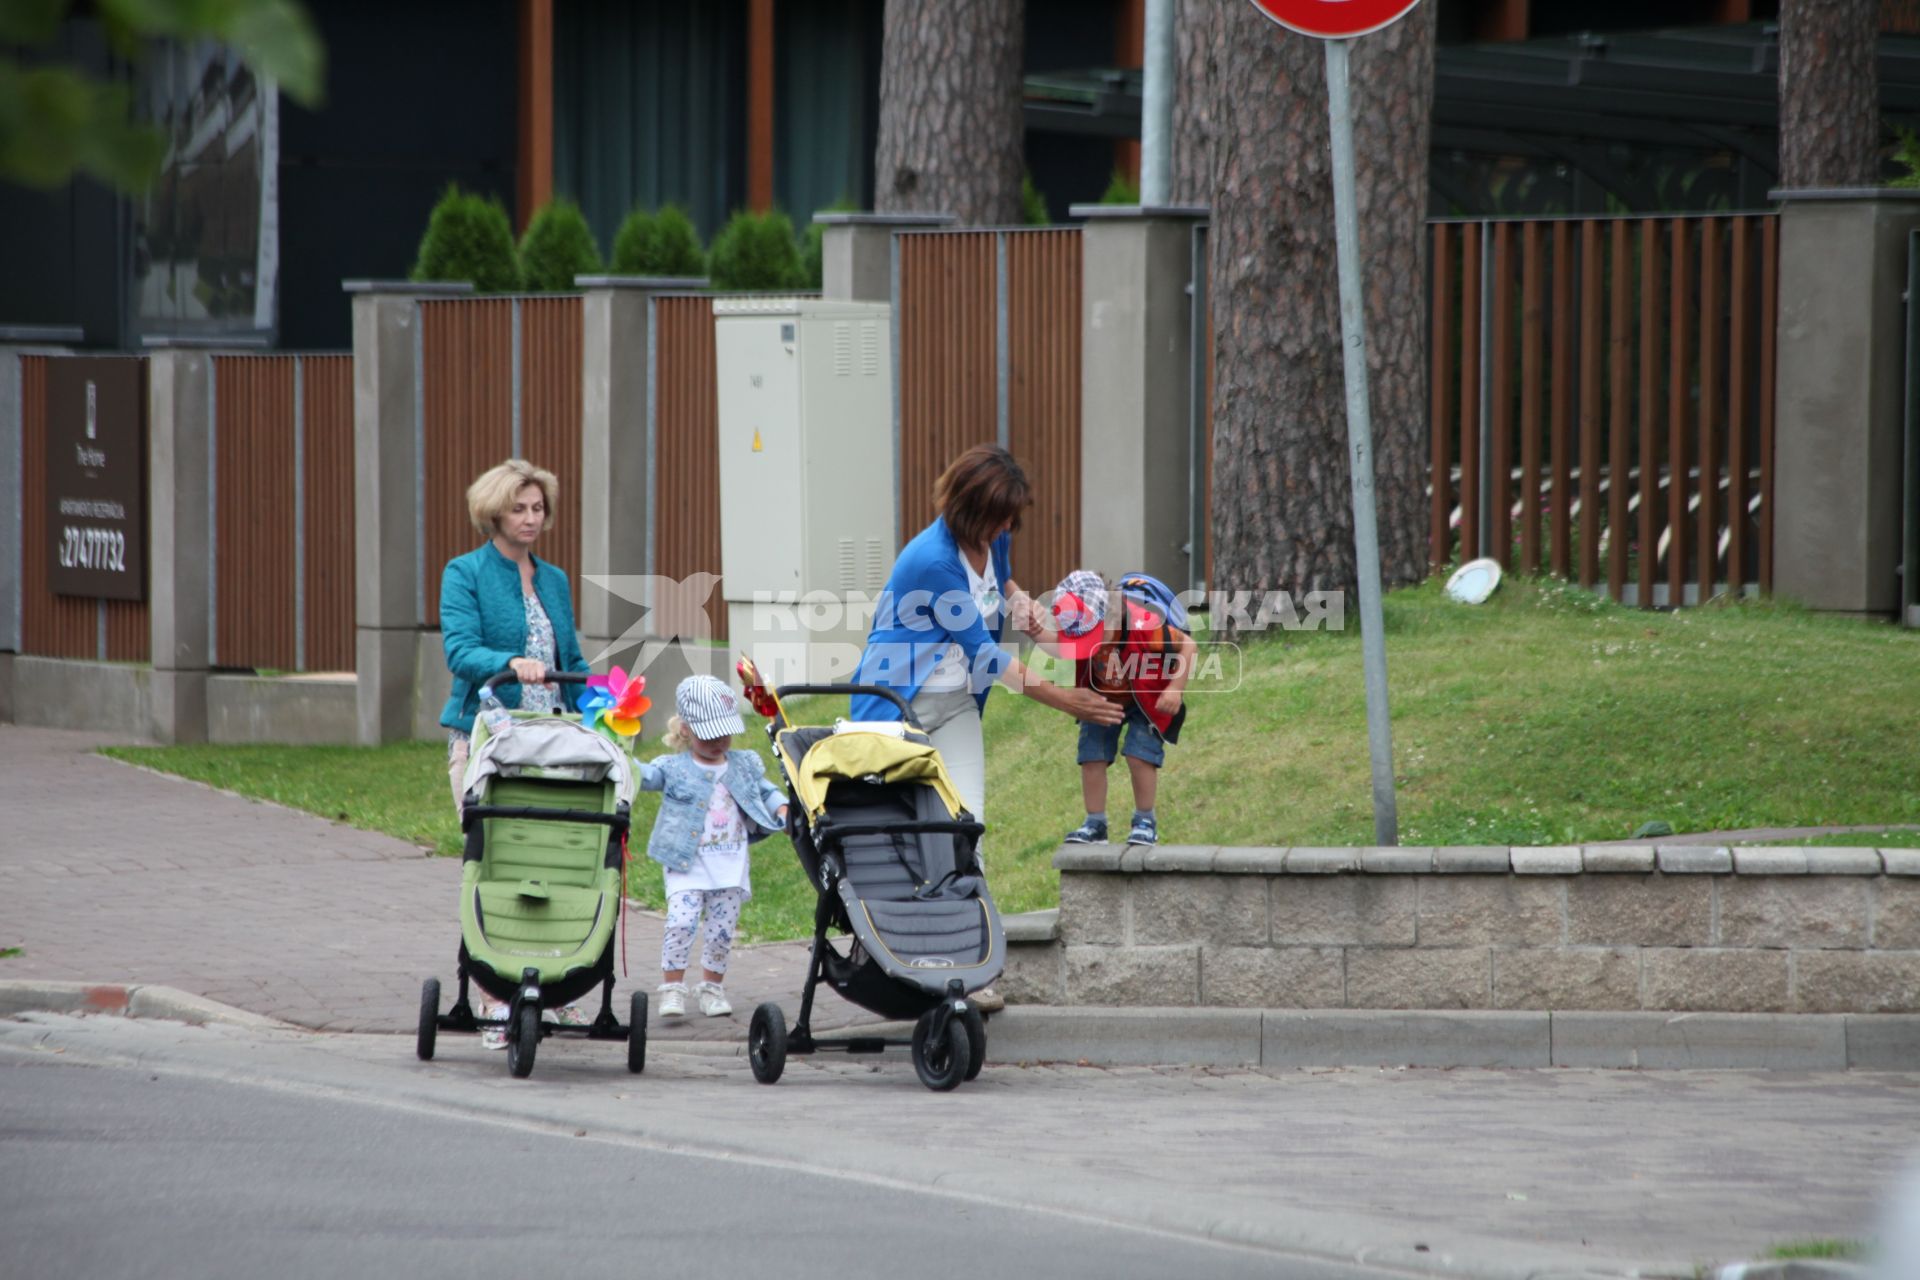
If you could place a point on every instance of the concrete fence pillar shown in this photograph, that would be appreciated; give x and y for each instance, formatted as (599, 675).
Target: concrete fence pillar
(1136, 359)
(387, 500)
(617, 496)
(856, 252)
(180, 539)
(1839, 390)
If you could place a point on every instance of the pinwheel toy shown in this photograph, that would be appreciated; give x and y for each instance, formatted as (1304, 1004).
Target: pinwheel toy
(755, 689)
(617, 701)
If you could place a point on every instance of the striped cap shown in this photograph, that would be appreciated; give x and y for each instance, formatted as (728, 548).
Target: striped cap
(708, 707)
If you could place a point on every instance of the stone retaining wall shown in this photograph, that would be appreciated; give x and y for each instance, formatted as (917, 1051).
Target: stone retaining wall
(1671, 927)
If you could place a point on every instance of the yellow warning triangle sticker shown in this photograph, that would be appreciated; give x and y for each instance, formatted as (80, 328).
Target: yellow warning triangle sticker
(756, 440)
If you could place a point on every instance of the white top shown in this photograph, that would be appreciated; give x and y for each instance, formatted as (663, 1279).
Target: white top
(951, 673)
(720, 859)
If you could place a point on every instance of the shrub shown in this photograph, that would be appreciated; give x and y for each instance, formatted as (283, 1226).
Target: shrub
(756, 251)
(658, 244)
(1121, 190)
(557, 247)
(1907, 156)
(469, 238)
(1033, 205)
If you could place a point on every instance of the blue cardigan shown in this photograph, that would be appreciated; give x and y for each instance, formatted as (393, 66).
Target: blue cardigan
(483, 626)
(925, 607)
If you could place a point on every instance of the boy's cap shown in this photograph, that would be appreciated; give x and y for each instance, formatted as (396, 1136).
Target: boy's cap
(1080, 612)
(708, 707)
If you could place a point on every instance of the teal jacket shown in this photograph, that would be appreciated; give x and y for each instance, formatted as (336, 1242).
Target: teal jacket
(483, 626)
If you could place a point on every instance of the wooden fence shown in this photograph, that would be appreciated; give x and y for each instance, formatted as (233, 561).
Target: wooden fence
(1602, 401)
(987, 329)
(283, 583)
(499, 378)
(685, 422)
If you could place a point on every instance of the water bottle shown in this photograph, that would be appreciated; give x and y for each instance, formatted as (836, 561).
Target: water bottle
(494, 714)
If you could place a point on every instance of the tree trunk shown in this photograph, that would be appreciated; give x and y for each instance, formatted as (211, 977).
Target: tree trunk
(1829, 94)
(1282, 502)
(1194, 127)
(951, 130)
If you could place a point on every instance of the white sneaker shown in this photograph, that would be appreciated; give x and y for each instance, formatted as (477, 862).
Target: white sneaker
(493, 1037)
(673, 999)
(713, 1000)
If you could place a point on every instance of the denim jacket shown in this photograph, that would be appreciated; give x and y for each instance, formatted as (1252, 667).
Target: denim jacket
(683, 807)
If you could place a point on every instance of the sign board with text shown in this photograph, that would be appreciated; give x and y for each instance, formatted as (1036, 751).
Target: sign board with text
(96, 477)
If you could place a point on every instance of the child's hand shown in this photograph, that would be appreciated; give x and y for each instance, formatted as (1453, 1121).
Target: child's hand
(781, 814)
(1168, 703)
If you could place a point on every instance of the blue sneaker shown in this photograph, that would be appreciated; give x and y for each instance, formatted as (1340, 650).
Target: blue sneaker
(1145, 830)
(1092, 831)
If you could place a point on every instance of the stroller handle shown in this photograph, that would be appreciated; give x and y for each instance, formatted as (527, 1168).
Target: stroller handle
(879, 691)
(553, 677)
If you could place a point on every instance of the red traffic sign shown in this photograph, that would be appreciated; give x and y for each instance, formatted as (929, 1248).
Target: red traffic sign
(1334, 19)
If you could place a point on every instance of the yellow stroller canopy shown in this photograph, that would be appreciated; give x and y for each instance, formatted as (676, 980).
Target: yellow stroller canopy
(864, 754)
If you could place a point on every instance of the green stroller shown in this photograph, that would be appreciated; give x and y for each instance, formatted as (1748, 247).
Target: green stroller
(545, 814)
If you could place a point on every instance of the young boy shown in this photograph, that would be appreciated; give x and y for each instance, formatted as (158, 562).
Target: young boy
(1139, 655)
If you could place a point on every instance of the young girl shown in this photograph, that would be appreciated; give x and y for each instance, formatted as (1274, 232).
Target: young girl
(716, 802)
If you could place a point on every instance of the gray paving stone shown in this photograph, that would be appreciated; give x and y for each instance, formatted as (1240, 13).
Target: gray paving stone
(1322, 861)
(1472, 860)
(1901, 862)
(1836, 861)
(1032, 926)
(1366, 1038)
(1251, 860)
(1128, 1037)
(1693, 1041)
(1380, 861)
(1695, 859)
(1883, 1042)
(1618, 858)
(1178, 857)
(1562, 860)
(1770, 862)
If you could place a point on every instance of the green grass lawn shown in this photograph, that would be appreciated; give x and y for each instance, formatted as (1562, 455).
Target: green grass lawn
(1545, 716)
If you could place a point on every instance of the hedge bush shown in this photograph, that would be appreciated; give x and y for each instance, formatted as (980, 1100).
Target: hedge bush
(558, 246)
(1121, 190)
(756, 251)
(1033, 205)
(658, 244)
(469, 238)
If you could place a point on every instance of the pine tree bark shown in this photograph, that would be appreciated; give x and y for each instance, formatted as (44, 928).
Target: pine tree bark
(1282, 503)
(1829, 94)
(1194, 128)
(951, 129)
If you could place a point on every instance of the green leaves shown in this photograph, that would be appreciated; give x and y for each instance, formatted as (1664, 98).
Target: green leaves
(56, 121)
(468, 238)
(756, 251)
(658, 244)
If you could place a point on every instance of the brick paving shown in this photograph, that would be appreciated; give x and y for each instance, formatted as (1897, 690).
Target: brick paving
(114, 873)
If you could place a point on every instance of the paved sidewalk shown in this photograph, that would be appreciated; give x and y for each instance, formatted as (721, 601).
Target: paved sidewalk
(110, 873)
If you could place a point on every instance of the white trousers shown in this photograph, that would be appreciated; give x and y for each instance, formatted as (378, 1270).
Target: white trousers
(952, 719)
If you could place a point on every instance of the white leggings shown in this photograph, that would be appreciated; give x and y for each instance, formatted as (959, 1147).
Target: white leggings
(683, 921)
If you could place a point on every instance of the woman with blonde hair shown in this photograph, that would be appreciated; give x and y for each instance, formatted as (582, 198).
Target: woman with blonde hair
(503, 607)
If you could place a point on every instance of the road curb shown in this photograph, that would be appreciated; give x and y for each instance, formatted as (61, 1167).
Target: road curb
(139, 1000)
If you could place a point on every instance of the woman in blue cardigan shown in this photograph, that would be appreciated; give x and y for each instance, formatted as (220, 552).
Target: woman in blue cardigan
(935, 638)
(501, 606)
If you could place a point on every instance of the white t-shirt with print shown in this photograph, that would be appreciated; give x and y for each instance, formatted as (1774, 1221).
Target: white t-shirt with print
(720, 858)
(951, 673)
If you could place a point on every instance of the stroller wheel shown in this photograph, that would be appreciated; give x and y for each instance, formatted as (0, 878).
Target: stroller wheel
(429, 1019)
(523, 1037)
(941, 1066)
(767, 1043)
(637, 1034)
(976, 1041)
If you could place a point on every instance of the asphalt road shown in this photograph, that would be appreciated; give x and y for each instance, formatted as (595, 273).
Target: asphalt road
(119, 1171)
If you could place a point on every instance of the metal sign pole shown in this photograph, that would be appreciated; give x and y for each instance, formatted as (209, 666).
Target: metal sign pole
(1366, 532)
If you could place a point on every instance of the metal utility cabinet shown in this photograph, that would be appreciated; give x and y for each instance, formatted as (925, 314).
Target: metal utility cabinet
(806, 479)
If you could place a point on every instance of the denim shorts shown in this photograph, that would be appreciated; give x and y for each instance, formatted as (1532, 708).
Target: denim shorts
(1097, 741)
